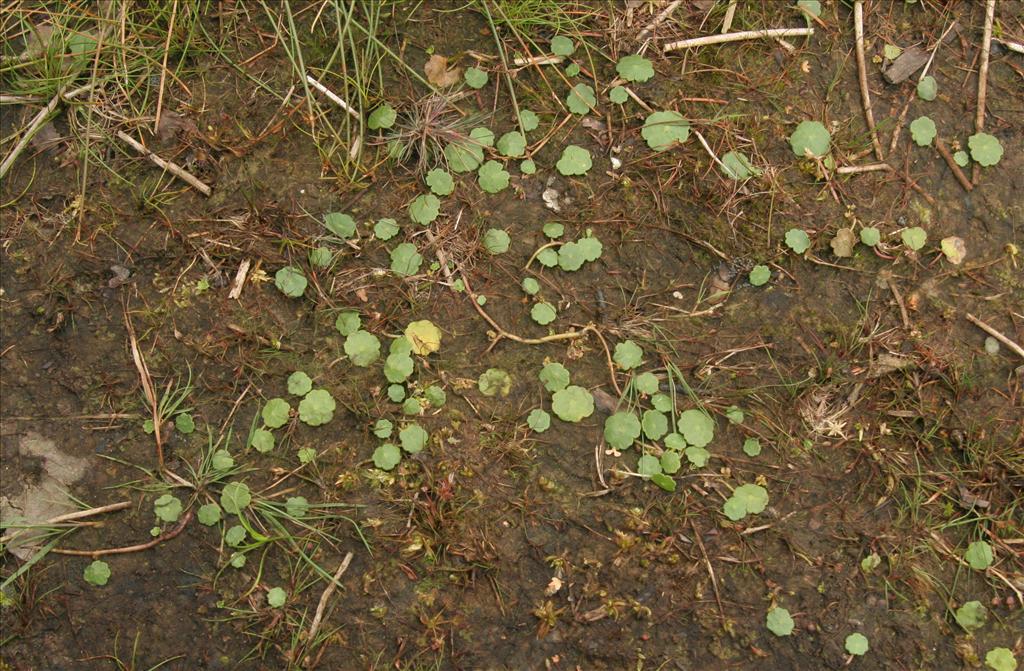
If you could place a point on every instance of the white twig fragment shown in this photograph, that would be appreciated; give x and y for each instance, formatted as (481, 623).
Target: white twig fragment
(333, 96)
(658, 20)
(239, 281)
(737, 37)
(172, 168)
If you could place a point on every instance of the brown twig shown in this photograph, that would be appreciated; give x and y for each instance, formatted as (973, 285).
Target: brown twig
(37, 122)
(711, 569)
(1018, 350)
(314, 627)
(862, 75)
(899, 302)
(948, 156)
(658, 20)
(162, 538)
(986, 47)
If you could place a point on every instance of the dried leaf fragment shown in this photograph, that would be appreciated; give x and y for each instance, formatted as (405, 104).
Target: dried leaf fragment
(438, 73)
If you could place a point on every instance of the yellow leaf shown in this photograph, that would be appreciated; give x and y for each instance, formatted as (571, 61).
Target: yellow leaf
(423, 336)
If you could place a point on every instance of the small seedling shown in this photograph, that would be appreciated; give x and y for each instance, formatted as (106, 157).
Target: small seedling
(972, 616)
(406, 259)
(543, 313)
(97, 573)
(575, 160)
(779, 621)
(496, 241)
(475, 78)
(628, 355)
(856, 644)
(621, 429)
(745, 500)
(581, 99)
(317, 408)
(424, 208)
(291, 281)
(979, 555)
(810, 139)
(562, 46)
(382, 117)
(538, 420)
(634, 68)
(342, 225)
(235, 497)
(985, 149)
(492, 177)
(922, 129)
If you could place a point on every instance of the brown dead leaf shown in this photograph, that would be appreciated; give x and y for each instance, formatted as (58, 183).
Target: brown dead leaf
(969, 500)
(438, 73)
(171, 122)
(842, 244)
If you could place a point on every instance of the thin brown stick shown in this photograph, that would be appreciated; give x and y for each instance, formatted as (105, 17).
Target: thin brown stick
(986, 47)
(899, 301)
(163, 68)
(1018, 350)
(948, 156)
(162, 538)
(170, 167)
(314, 627)
(71, 517)
(711, 569)
(862, 76)
(736, 37)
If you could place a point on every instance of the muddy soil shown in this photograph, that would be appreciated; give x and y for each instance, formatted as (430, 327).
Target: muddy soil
(887, 429)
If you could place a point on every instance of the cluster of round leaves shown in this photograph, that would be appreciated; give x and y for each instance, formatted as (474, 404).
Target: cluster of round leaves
(570, 256)
(316, 408)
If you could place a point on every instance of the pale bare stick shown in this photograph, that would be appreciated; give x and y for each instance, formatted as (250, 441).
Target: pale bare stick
(857, 169)
(1012, 46)
(163, 68)
(730, 12)
(334, 98)
(172, 168)
(862, 76)
(71, 517)
(737, 37)
(711, 153)
(314, 627)
(658, 20)
(935, 50)
(986, 47)
(1018, 350)
(35, 124)
(239, 281)
(522, 61)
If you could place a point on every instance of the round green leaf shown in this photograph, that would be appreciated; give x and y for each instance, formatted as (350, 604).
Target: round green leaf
(779, 621)
(492, 177)
(299, 383)
(512, 144)
(235, 497)
(528, 167)
(530, 286)
(320, 257)
(291, 281)
(985, 149)
(262, 441)
(746, 500)
(424, 208)
(870, 236)
(628, 355)
(167, 508)
(634, 68)
(810, 138)
(396, 393)
(97, 573)
(752, 447)
(546, 257)
(759, 275)
(922, 129)
(382, 429)
(184, 423)
(798, 240)
(342, 225)
(405, 259)
(412, 407)
(562, 46)
(275, 413)
(1001, 659)
(927, 88)
(296, 506)
(618, 95)
(554, 376)
(972, 616)
(347, 323)
(475, 78)
(538, 420)
(385, 229)
(670, 462)
(961, 158)
(655, 424)
(621, 429)
(662, 130)
(276, 597)
(221, 460)
(572, 404)
(496, 241)
(362, 348)
(235, 536)
(581, 99)
(697, 456)
(440, 182)
(914, 238)
(856, 644)
(317, 408)
(646, 383)
(208, 514)
(435, 396)
(571, 257)
(413, 438)
(382, 117)
(398, 367)
(979, 555)
(575, 160)
(387, 456)
(528, 120)
(648, 465)
(736, 165)
(543, 313)
(697, 427)
(464, 155)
